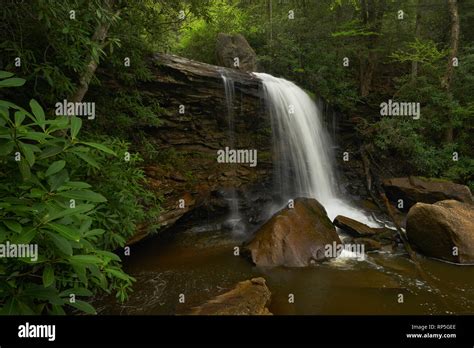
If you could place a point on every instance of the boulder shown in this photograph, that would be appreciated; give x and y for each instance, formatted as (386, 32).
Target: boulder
(436, 229)
(250, 297)
(415, 189)
(356, 228)
(230, 47)
(294, 237)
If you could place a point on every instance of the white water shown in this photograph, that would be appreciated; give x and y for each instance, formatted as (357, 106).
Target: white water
(234, 220)
(303, 166)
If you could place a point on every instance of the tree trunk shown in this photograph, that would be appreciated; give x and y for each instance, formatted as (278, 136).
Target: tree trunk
(99, 37)
(453, 52)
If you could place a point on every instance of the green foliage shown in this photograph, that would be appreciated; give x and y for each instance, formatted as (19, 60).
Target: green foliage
(132, 112)
(54, 49)
(198, 39)
(45, 203)
(424, 52)
(129, 203)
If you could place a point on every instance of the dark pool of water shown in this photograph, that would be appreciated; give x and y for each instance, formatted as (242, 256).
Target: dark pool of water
(201, 265)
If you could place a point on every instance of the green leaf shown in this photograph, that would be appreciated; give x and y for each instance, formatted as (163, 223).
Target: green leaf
(57, 180)
(55, 167)
(40, 292)
(62, 244)
(95, 232)
(25, 237)
(5, 113)
(77, 184)
(82, 208)
(13, 225)
(19, 118)
(76, 291)
(65, 231)
(83, 306)
(87, 159)
(5, 74)
(50, 151)
(80, 270)
(37, 136)
(85, 195)
(48, 276)
(24, 169)
(118, 274)
(38, 112)
(100, 147)
(27, 150)
(108, 254)
(6, 148)
(76, 124)
(12, 82)
(86, 259)
(7, 105)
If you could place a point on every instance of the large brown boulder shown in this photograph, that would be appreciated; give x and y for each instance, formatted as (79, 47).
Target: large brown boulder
(230, 47)
(443, 230)
(250, 297)
(415, 189)
(294, 237)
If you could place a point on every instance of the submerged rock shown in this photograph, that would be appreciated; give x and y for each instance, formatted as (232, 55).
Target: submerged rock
(250, 297)
(415, 189)
(443, 230)
(294, 237)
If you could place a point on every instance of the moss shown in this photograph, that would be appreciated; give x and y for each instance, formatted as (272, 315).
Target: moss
(432, 179)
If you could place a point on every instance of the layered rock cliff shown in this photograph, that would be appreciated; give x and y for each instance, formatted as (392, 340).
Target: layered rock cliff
(195, 125)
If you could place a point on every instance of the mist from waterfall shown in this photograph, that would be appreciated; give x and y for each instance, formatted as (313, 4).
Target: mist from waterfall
(303, 165)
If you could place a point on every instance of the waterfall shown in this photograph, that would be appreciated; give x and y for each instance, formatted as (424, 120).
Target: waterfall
(303, 165)
(234, 220)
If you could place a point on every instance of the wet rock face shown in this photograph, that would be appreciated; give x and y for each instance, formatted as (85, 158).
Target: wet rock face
(414, 189)
(250, 297)
(443, 230)
(372, 238)
(233, 51)
(194, 126)
(356, 228)
(294, 237)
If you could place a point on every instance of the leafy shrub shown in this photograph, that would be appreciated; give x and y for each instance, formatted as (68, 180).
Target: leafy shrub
(122, 182)
(44, 203)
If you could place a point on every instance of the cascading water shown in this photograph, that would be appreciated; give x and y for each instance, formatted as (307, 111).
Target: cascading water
(234, 220)
(302, 149)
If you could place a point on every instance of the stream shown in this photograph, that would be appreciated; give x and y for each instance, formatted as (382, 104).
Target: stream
(199, 262)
